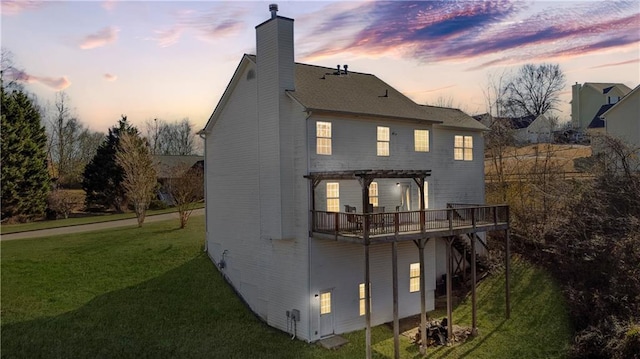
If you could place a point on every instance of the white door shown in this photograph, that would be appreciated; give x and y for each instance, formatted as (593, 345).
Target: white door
(326, 314)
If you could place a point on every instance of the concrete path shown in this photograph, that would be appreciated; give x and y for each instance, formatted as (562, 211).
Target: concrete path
(94, 226)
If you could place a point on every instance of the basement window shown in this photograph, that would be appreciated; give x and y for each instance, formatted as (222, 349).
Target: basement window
(414, 277)
(463, 148)
(362, 298)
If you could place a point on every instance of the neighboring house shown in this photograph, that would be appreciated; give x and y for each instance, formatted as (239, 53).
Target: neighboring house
(591, 100)
(169, 166)
(526, 129)
(622, 120)
(315, 176)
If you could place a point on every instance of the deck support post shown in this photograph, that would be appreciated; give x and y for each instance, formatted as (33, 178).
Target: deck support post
(365, 182)
(396, 320)
(367, 300)
(474, 282)
(423, 297)
(507, 274)
(449, 289)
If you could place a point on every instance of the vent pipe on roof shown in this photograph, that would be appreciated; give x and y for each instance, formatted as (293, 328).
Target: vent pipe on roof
(274, 10)
(345, 69)
(338, 73)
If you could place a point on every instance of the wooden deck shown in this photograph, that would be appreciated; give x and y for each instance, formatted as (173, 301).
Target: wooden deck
(412, 225)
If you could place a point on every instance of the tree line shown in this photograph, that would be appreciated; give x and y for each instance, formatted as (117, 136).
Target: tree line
(46, 152)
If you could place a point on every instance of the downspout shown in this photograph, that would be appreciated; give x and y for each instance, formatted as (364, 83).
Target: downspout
(203, 135)
(309, 253)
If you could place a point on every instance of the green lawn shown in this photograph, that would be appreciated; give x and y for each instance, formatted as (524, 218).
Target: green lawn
(65, 222)
(150, 292)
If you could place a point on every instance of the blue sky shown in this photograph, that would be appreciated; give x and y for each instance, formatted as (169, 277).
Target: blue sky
(173, 59)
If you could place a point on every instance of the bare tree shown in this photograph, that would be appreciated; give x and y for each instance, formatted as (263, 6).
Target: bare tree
(186, 186)
(9, 74)
(534, 89)
(139, 180)
(175, 138)
(495, 95)
(71, 145)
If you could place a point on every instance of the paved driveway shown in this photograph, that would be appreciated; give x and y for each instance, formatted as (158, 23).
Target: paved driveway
(94, 226)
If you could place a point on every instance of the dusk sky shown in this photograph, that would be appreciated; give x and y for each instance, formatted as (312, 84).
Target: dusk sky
(173, 59)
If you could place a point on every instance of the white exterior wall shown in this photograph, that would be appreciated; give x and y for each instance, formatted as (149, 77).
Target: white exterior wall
(257, 197)
(232, 189)
(283, 191)
(339, 267)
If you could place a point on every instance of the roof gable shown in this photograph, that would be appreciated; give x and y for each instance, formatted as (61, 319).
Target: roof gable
(321, 89)
(244, 63)
(623, 102)
(607, 88)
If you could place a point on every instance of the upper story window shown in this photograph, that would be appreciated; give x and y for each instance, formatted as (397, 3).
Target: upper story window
(323, 138)
(373, 194)
(333, 197)
(463, 148)
(421, 140)
(383, 141)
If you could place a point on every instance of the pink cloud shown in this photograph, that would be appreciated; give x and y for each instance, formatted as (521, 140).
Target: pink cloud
(56, 83)
(110, 77)
(616, 63)
(460, 31)
(166, 38)
(101, 38)
(13, 7)
(222, 21)
(109, 4)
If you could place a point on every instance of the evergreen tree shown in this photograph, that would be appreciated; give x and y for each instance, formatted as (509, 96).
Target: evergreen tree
(25, 178)
(102, 178)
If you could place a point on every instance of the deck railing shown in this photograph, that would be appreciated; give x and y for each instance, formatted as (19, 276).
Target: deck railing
(455, 217)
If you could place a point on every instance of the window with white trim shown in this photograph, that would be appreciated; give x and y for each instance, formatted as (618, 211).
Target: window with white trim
(414, 277)
(421, 140)
(323, 138)
(383, 141)
(333, 197)
(373, 194)
(463, 148)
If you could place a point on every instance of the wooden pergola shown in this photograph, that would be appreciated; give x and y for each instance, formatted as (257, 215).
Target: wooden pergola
(483, 218)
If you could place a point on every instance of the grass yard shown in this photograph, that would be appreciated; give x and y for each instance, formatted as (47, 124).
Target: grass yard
(66, 222)
(150, 292)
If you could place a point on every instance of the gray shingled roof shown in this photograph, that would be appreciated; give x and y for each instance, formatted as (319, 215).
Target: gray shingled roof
(166, 165)
(321, 89)
(602, 86)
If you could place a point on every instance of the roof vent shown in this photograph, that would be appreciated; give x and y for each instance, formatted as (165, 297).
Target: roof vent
(345, 69)
(274, 10)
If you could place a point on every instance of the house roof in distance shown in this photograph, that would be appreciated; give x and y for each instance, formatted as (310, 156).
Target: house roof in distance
(166, 165)
(605, 87)
(597, 122)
